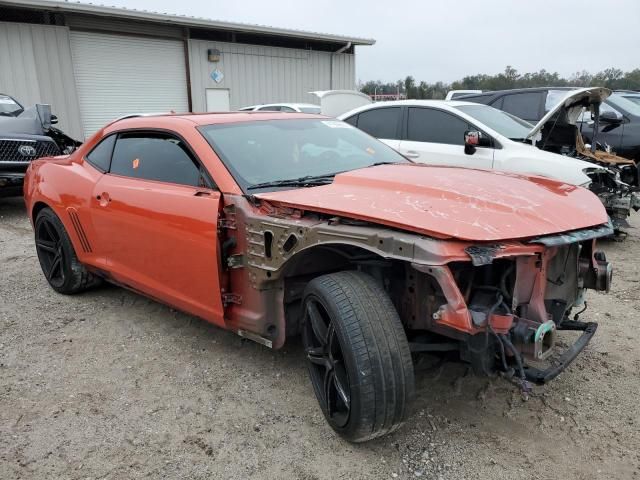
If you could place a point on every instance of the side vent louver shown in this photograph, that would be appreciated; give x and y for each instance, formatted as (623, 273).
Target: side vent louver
(82, 236)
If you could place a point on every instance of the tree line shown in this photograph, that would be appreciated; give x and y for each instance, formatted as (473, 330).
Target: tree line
(612, 78)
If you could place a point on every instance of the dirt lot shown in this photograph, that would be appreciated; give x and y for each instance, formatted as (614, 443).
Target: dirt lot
(111, 385)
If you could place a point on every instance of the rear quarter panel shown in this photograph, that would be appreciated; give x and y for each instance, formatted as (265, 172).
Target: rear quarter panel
(64, 185)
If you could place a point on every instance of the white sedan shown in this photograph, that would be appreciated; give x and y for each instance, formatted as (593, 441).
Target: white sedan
(434, 132)
(283, 107)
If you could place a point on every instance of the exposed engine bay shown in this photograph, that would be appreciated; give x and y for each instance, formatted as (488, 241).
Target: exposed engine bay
(615, 180)
(499, 306)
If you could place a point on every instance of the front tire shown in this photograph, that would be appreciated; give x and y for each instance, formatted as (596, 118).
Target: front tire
(358, 355)
(58, 259)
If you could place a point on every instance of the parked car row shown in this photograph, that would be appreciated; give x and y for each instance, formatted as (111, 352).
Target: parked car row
(274, 224)
(466, 134)
(619, 115)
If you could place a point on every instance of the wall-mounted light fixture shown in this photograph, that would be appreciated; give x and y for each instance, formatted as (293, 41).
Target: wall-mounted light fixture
(213, 55)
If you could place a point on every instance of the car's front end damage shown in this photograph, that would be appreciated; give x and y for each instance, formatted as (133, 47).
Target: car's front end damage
(615, 180)
(498, 301)
(26, 134)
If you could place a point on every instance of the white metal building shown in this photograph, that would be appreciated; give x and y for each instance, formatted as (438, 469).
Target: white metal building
(94, 63)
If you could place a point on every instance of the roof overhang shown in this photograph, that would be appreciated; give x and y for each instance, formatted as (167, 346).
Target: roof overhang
(181, 20)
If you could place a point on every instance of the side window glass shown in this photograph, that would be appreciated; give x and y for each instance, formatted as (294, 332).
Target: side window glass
(380, 122)
(498, 103)
(435, 126)
(286, 109)
(353, 120)
(524, 105)
(155, 156)
(100, 156)
(586, 116)
(553, 98)
(272, 108)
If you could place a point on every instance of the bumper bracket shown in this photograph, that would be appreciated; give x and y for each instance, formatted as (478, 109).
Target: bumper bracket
(541, 377)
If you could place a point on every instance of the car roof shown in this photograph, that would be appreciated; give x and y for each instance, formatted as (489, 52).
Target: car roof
(442, 104)
(282, 104)
(199, 119)
(489, 93)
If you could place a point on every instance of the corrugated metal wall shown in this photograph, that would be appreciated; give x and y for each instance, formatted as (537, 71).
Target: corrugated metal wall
(257, 74)
(35, 67)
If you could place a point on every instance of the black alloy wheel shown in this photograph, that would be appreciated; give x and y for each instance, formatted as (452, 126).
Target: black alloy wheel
(50, 252)
(58, 259)
(327, 367)
(357, 355)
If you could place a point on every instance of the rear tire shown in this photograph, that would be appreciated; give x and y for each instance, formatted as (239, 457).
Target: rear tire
(358, 355)
(58, 259)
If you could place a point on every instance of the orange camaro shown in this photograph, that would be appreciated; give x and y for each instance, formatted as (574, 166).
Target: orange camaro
(272, 225)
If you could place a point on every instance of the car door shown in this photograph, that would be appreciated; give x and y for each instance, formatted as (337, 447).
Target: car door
(610, 134)
(158, 213)
(383, 123)
(436, 137)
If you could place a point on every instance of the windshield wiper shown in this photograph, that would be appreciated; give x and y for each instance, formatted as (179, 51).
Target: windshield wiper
(384, 163)
(306, 181)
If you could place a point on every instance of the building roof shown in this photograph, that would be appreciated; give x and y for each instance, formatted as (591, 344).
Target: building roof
(183, 20)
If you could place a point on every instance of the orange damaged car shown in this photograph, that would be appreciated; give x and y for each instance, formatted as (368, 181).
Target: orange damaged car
(276, 225)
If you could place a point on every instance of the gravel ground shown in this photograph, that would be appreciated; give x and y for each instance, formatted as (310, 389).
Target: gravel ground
(109, 384)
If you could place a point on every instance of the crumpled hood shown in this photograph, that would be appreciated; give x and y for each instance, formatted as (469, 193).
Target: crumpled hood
(450, 202)
(28, 122)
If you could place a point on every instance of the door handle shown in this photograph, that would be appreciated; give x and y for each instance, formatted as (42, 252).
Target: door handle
(411, 154)
(202, 193)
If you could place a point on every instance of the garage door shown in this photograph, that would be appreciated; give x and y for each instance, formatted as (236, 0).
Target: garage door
(118, 75)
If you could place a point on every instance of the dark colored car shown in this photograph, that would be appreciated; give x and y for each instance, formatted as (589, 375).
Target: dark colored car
(26, 134)
(632, 95)
(619, 115)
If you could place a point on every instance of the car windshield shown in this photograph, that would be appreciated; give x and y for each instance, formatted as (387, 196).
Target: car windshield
(502, 122)
(270, 151)
(634, 99)
(9, 107)
(310, 110)
(617, 100)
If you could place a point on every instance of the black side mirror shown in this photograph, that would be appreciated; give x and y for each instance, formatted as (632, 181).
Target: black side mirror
(474, 139)
(54, 119)
(609, 116)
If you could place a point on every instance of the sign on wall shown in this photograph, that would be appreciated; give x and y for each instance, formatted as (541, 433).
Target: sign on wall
(217, 75)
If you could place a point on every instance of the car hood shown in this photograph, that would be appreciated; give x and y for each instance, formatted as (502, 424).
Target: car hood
(27, 122)
(450, 202)
(574, 100)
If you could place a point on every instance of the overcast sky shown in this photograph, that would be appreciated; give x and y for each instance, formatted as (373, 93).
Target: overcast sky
(447, 40)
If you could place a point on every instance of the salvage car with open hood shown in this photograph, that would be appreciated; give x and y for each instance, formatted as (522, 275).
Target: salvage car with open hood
(618, 128)
(26, 134)
(616, 179)
(274, 225)
(460, 133)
